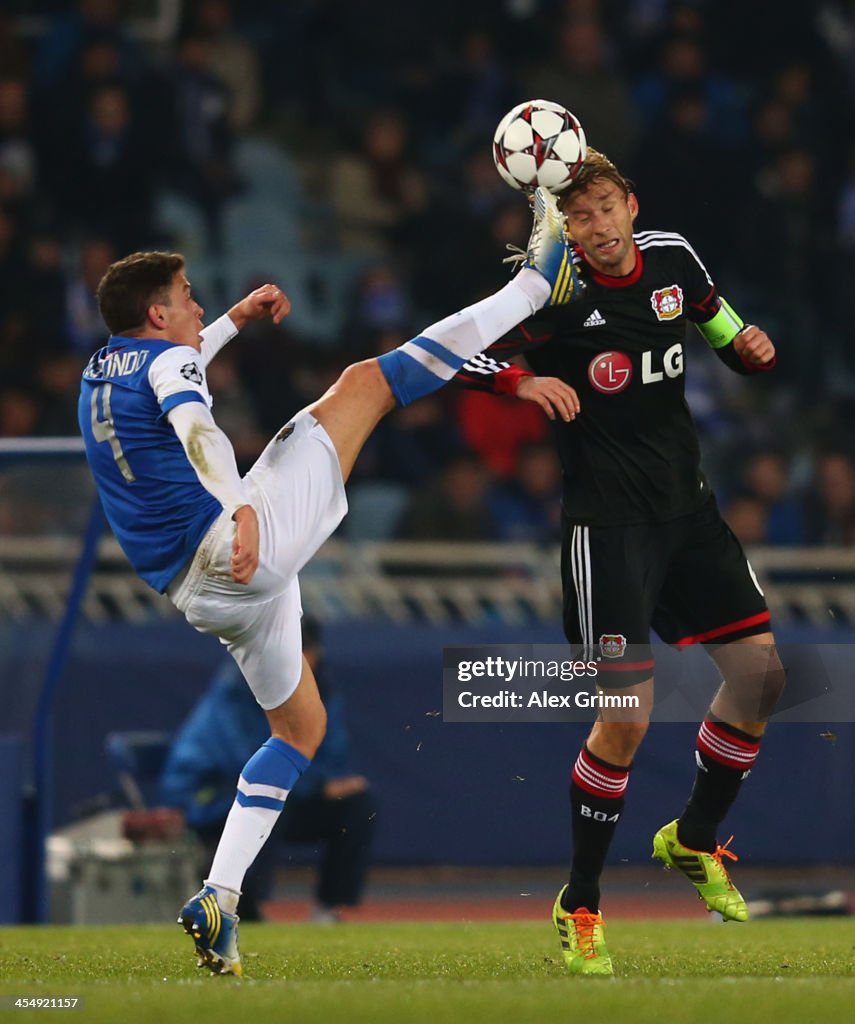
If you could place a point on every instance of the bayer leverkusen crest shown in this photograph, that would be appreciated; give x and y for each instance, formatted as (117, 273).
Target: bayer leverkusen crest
(667, 302)
(613, 645)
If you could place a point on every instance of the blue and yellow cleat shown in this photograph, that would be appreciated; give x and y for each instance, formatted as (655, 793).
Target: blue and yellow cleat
(549, 250)
(214, 932)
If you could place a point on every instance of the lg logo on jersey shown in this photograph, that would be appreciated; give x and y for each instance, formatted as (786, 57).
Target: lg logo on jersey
(610, 372)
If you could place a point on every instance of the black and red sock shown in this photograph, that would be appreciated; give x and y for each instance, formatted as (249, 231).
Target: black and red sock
(725, 756)
(596, 800)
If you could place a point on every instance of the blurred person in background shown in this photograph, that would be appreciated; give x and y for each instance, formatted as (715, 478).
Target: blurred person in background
(84, 327)
(231, 59)
(203, 137)
(92, 21)
(773, 134)
(380, 302)
(14, 52)
(788, 213)
(496, 429)
(13, 272)
(31, 304)
(59, 384)
(830, 502)
(686, 151)
(236, 413)
(453, 506)
(18, 160)
(481, 85)
(46, 298)
(765, 478)
(483, 219)
(644, 24)
(748, 517)
(377, 190)
(411, 445)
(331, 805)
(684, 64)
(794, 86)
(486, 245)
(19, 412)
(835, 23)
(107, 187)
(527, 506)
(581, 76)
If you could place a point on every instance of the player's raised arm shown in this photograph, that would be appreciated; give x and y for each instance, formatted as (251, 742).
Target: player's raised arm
(268, 300)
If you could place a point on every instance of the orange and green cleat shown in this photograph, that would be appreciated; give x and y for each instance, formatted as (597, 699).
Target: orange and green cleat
(581, 936)
(706, 871)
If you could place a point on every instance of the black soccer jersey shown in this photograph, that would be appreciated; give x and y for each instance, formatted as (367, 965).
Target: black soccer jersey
(632, 454)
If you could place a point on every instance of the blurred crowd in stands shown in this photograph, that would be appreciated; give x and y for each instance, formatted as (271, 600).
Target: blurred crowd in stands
(343, 150)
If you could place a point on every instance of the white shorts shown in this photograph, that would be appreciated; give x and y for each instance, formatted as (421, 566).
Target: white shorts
(297, 491)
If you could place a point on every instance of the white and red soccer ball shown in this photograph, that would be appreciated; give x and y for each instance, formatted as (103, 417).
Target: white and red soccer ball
(539, 143)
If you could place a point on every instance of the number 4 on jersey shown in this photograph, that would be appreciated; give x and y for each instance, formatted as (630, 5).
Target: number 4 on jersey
(105, 430)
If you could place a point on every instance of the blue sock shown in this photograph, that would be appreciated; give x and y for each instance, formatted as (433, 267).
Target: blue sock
(270, 774)
(266, 779)
(417, 368)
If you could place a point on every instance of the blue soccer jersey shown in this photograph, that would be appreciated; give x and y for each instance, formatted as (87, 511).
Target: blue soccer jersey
(151, 495)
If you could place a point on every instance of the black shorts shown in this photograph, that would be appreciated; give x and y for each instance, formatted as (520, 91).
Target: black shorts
(688, 579)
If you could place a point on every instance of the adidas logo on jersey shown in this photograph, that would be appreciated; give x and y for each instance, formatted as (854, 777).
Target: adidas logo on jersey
(596, 319)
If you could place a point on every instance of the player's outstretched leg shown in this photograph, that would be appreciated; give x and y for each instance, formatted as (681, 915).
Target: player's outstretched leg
(214, 932)
(367, 391)
(581, 936)
(706, 871)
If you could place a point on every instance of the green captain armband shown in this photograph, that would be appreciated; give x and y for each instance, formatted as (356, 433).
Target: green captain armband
(723, 327)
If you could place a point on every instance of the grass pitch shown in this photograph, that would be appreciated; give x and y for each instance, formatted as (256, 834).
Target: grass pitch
(782, 971)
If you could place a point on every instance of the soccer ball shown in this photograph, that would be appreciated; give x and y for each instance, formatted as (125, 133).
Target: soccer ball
(539, 143)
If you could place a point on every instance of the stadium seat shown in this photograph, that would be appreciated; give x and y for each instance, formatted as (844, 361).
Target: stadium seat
(182, 221)
(268, 171)
(252, 223)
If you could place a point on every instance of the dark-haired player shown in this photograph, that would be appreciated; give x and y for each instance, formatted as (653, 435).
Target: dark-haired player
(644, 543)
(227, 549)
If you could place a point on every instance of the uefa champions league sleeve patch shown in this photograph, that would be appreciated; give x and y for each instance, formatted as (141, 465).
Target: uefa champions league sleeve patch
(191, 372)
